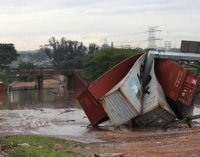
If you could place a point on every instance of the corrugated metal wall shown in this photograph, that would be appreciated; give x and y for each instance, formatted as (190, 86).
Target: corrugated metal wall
(118, 108)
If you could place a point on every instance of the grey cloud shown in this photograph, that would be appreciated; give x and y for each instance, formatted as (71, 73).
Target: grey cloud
(98, 6)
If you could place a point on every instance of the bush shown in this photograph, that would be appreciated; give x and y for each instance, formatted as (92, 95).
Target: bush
(4, 77)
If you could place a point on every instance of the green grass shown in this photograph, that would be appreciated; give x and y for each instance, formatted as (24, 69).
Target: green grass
(40, 146)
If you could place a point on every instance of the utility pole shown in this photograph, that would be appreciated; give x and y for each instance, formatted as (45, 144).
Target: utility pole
(151, 37)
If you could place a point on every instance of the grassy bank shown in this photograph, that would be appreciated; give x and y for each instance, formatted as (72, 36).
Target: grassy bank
(37, 146)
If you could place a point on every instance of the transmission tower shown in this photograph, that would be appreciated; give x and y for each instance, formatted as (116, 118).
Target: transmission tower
(167, 46)
(105, 41)
(152, 39)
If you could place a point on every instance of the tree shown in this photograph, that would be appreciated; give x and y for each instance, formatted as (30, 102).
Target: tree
(78, 62)
(97, 64)
(93, 48)
(64, 50)
(66, 64)
(26, 65)
(7, 54)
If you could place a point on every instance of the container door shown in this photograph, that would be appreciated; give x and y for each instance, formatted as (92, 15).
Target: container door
(188, 89)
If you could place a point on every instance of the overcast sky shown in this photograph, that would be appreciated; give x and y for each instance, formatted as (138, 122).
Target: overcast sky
(29, 24)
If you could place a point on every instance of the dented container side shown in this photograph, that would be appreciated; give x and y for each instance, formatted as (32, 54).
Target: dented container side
(171, 77)
(132, 87)
(112, 77)
(118, 108)
(154, 96)
(92, 108)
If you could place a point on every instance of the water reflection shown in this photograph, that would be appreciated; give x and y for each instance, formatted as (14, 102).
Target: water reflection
(57, 97)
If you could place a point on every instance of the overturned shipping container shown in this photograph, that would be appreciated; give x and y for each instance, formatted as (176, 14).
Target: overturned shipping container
(89, 99)
(93, 109)
(155, 109)
(177, 82)
(123, 102)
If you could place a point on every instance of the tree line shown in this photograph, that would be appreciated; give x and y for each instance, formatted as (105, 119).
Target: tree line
(92, 61)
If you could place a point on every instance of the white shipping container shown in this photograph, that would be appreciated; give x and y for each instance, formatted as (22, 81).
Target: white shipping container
(124, 101)
(155, 109)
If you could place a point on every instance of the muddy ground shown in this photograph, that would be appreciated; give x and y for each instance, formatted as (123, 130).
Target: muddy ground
(72, 124)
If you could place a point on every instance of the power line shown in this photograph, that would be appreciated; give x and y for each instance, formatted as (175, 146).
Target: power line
(114, 35)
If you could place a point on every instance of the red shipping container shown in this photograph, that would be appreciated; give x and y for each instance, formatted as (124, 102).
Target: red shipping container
(177, 82)
(78, 82)
(1, 87)
(92, 108)
(107, 81)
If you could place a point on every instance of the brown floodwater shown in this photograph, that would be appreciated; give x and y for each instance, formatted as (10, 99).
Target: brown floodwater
(55, 98)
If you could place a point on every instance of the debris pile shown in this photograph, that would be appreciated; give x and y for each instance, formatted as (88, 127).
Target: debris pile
(121, 95)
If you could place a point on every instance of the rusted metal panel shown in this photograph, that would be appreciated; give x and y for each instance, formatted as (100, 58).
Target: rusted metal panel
(177, 82)
(92, 108)
(190, 46)
(123, 102)
(112, 77)
(78, 82)
(155, 109)
(1, 87)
